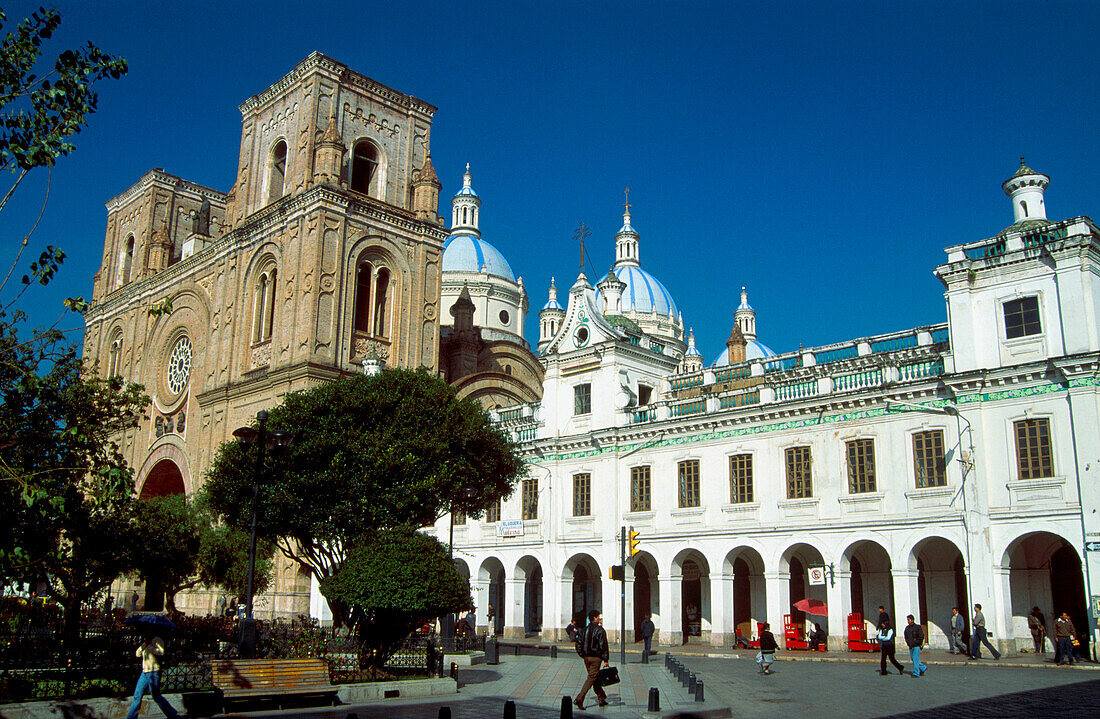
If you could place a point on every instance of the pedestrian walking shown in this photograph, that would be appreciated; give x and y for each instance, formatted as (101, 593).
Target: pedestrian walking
(573, 629)
(887, 648)
(980, 636)
(646, 630)
(768, 645)
(1064, 635)
(595, 653)
(490, 616)
(882, 617)
(1037, 623)
(914, 639)
(151, 648)
(958, 626)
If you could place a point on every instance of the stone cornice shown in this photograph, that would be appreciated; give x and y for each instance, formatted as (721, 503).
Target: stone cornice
(254, 229)
(316, 62)
(158, 176)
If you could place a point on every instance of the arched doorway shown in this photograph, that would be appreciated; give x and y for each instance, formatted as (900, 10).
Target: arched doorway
(795, 563)
(749, 590)
(871, 581)
(1044, 570)
(941, 587)
(530, 571)
(646, 593)
(164, 479)
(694, 586)
(583, 588)
(491, 584)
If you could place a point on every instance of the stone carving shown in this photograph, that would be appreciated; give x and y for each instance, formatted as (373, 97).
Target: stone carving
(261, 355)
(366, 348)
(370, 120)
(200, 221)
(328, 282)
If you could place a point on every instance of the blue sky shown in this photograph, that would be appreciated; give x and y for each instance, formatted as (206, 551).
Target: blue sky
(822, 154)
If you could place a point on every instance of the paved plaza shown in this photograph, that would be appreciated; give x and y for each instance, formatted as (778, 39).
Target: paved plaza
(797, 688)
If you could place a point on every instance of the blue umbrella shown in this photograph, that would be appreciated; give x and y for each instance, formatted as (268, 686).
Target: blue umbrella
(149, 621)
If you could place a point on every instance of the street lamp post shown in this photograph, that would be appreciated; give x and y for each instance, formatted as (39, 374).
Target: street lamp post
(262, 438)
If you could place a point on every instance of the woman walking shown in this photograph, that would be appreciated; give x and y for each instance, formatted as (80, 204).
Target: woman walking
(887, 648)
(768, 646)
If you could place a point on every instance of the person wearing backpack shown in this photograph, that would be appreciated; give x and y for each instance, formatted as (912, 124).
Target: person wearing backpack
(593, 650)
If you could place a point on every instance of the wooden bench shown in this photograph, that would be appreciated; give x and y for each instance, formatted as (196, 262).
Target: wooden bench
(255, 678)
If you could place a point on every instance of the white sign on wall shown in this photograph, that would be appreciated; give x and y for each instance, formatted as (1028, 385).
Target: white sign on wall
(817, 575)
(510, 528)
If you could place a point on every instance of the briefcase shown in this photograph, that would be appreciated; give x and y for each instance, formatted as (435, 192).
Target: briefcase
(608, 676)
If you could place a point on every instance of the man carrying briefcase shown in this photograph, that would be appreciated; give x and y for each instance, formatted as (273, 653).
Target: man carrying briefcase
(595, 652)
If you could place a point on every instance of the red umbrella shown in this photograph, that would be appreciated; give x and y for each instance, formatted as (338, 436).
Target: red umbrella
(812, 606)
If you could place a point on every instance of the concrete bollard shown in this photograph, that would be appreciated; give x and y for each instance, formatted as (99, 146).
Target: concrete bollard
(645, 655)
(553, 651)
(444, 713)
(566, 708)
(654, 700)
(509, 709)
(699, 691)
(692, 681)
(684, 678)
(668, 660)
(492, 651)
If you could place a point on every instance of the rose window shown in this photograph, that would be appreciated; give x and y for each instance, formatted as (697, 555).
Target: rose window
(179, 365)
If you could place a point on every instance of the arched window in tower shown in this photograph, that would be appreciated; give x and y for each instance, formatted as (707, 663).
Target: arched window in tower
(363, 281)
(278, 172)
(269, 306)
(364, 166)
(381, 293)
(263, 307)
(114, 357)
(127, 261)
(464, 211)
(1023, 207)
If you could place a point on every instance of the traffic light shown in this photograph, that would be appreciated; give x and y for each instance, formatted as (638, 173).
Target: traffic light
(615, 572)
(632, 538)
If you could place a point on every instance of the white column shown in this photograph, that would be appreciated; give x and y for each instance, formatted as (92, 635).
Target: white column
(670, 618)
(906, 596)
(998, 618)
(721, 609)
(840, 606)
(480, 588)
(778, 590)
(514, 597)
(612, 624)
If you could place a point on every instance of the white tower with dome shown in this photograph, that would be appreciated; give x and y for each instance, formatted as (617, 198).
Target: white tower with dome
(499, 298)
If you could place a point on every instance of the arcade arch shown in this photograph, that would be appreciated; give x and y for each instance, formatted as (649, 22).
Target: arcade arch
(750, 604)
(529, 571)
(693, 572)
(581, 580)
(1044, 570)
(490, 592)
(941, 585)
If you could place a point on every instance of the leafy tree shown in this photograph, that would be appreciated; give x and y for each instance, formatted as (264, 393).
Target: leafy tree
(395, 581)
(64, 486)
(392, 450)
(183, 548)
(67, 518)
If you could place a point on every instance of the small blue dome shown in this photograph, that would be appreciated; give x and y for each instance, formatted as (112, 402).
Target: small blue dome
(553, 305)
(464, 252)
(467, 191)
(643, 293)
(753, 350)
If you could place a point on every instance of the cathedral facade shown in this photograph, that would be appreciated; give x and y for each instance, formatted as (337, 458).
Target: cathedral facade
(328, 250)
(923, 470)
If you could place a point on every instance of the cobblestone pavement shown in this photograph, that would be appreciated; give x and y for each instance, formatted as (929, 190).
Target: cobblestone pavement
(734, 688)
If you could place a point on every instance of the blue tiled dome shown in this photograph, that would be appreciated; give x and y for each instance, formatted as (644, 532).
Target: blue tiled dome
(753, 350)
(469, 191)
(643, 293)
(464, 252)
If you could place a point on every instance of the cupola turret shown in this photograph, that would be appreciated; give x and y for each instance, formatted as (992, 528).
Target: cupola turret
(465, 207)
(1026, 189)
(745, 317)
(550, 317)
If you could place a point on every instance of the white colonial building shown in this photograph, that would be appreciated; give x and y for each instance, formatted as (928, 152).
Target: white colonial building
(946, 465)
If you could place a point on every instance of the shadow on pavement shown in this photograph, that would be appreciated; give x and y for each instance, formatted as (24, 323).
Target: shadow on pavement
(1069, 700)
(466, 677)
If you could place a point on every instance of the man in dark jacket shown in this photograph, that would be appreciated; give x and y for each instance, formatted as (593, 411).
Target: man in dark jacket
(646, 630)
(882, 617)
(914, 638)
(595, 652)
